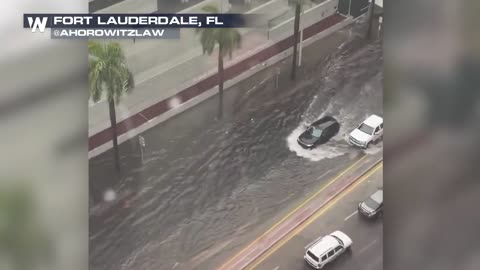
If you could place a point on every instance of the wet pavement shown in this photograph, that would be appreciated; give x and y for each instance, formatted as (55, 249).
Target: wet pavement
(367, 235)
(207, 186)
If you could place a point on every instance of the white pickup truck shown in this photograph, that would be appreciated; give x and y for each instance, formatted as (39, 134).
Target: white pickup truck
(370, 131)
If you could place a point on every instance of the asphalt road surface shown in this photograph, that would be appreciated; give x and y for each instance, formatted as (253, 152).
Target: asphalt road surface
(341, 214)
(209, 187)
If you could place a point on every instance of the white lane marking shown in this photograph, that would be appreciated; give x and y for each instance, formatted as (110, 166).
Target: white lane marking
(351, 215)
(313, 242)
(276, 268)
(367, 247)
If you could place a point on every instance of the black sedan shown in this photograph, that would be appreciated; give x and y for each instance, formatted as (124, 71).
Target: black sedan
(319, 132)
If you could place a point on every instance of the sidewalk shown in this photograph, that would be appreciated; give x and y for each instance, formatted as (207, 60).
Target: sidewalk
(147, 58)
(168, 82)
(302, 212)
(131, 122)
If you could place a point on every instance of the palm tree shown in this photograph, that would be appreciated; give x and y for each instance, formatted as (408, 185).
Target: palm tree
(23, 240)
(296, 33)
(228, 39)
(109, 76)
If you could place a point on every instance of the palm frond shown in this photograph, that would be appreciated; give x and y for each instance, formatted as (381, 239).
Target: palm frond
(108, 72)
(228, 38)
(211, 8)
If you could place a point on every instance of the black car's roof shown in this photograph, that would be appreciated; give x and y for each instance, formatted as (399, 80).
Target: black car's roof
(327, 120)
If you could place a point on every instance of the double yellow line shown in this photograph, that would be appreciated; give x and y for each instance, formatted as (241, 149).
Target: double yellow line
(311, 219)
(292, 212)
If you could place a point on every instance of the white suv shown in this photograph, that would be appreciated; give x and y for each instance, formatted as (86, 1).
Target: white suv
(371, 130)
(327, 249)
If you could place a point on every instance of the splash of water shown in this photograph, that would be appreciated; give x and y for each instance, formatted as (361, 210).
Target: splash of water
(325, 151)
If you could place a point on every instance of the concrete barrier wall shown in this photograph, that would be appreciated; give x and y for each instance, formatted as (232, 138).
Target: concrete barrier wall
(131, 6)
(310, 17)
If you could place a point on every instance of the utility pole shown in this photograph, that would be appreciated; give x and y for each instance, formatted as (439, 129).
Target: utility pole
(301, 37)
(349, 7)
(296, 27)
(370, 19)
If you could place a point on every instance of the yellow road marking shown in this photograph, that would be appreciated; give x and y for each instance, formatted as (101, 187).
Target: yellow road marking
(319, 213)
(294, 210)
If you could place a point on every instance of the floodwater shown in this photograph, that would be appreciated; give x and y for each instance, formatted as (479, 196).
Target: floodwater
(206, 187)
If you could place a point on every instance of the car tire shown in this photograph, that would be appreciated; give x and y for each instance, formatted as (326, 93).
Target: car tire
(366, 146)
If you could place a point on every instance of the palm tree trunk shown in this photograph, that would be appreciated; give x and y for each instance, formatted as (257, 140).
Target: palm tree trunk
(220, 81)
(296, 33)
(370, 19)
(113, 122)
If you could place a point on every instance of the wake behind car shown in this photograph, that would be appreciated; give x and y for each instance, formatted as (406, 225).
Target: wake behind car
(327, 249)
(319, 132)
(373, 205)
(370, 131)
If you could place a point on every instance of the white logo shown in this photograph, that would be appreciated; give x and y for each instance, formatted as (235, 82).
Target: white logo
(40, 23)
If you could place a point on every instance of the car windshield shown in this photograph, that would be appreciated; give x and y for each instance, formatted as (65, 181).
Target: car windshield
(315, 258)
(339, 240)
(315, 132)
(366, 129)
(371, 203)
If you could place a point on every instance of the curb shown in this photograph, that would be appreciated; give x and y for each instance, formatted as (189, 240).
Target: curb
(306, 217)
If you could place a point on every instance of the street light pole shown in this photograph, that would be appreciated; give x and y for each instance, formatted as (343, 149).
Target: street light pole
(349, 7)
(301, 38)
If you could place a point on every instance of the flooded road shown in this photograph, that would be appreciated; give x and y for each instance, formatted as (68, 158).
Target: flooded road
(208, 186)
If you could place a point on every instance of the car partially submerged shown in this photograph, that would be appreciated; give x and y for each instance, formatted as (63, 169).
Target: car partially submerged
(319, 132)
(327, 249)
